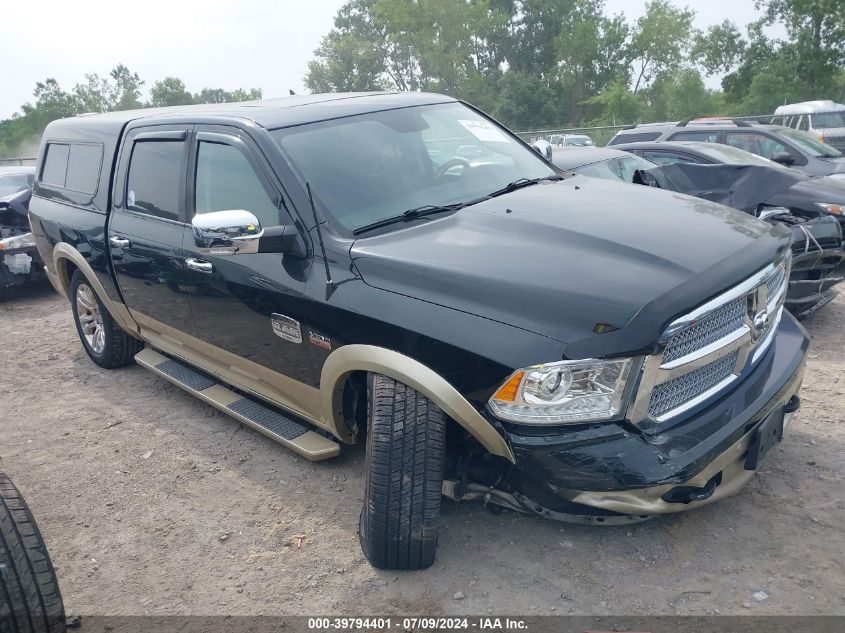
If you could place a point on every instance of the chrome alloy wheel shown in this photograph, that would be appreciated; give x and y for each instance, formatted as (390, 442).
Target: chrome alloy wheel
(90, 318)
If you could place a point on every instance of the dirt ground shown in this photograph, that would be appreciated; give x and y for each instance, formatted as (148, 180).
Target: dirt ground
(151, 502)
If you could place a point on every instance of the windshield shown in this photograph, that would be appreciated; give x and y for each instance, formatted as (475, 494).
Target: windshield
(374, 166)
(829, 119)
(809, 144)
(13, 183)
(621, 168)
(727, 155)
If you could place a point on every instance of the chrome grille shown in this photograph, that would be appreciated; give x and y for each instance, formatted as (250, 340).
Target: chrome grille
(677, 392)
(707, 330)
(702, 352)
(774, 283)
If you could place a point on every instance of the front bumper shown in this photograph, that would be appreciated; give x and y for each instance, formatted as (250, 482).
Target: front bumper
(620, 469)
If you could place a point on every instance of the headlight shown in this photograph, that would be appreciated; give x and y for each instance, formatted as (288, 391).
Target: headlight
(831, 207)
(17, 241)
(563, 392)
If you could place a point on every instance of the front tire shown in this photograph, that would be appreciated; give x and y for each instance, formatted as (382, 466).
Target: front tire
(406, 448)
(30, 601)
(106, 344)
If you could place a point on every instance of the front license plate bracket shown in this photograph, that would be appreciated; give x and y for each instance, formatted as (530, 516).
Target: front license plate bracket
(766, 436)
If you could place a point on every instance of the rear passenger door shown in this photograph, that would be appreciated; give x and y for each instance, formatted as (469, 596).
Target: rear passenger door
(147, 227)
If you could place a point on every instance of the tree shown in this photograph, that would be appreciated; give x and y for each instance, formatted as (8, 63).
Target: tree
(219, 95)
(170, 91)
(661, 41)
(127, 88)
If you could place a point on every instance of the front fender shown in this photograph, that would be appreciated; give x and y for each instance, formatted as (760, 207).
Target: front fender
(406, 370)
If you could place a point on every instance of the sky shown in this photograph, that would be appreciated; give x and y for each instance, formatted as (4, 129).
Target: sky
(210, 43)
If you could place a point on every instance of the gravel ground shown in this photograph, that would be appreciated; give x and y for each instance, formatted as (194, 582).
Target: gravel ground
(153, 503)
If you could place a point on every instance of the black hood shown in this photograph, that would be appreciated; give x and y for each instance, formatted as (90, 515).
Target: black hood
(823, 189)
(559, 258)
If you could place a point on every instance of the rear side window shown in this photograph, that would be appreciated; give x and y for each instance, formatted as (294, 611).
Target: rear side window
(703, 136)
(634, 138)
(55, 164)
(73, 166)
(226, 180)
(154, 183)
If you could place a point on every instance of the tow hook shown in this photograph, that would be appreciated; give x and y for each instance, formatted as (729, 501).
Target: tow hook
(688, 494)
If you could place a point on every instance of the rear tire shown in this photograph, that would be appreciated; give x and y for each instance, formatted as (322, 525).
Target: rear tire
(30, 601)
(103, 340)
(406, 448)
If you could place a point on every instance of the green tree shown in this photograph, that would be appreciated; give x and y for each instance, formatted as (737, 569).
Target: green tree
(661, 41)
(170, 91)
(127, 88)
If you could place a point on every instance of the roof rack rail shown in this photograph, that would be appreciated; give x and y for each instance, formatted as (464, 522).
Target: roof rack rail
(736, 122)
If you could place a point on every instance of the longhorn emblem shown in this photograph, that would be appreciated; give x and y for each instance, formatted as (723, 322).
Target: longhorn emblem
(759, 316)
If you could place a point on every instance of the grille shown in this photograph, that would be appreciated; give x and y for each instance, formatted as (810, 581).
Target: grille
(775, 282)
(711, 328)
(674, 393)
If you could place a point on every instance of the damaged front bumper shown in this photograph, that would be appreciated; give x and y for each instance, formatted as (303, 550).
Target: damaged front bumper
(818, 264)
(20, 262)
(616, 471)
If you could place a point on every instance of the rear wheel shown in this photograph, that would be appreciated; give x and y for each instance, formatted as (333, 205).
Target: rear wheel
(104, 341)
(404, 476)
(30, 601)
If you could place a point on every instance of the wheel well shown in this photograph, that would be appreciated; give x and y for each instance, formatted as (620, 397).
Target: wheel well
(66, 270)
(354, 402)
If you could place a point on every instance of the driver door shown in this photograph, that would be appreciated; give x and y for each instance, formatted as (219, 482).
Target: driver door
(239, 301)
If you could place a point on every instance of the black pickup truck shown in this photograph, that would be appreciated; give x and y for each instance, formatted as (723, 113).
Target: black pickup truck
(333, 269)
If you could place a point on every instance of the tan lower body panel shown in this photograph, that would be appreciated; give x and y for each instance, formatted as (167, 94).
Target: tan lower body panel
(731, 464)
(309, 444)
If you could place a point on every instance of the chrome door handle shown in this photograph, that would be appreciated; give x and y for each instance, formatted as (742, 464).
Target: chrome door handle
(119, 242)
(199, 265)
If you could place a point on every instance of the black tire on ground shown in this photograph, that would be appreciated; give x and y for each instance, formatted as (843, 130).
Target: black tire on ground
(406, 448)
(119, 348)
(30, 601)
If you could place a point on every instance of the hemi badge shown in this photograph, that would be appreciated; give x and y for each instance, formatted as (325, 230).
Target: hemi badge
(286, 328)
(319, 340)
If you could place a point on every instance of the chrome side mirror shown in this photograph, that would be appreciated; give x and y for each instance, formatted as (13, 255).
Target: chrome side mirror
(543, 148)
(227, 232)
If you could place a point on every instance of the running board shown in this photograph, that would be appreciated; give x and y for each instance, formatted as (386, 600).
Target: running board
(272, 423)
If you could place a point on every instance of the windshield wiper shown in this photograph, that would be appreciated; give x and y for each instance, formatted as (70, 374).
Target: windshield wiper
(410, 214)
(519, 183)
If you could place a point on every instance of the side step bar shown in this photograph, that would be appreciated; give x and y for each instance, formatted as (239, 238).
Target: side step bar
(272, 423)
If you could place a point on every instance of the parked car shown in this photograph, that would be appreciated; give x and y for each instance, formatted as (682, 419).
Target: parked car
(824, 119)
(600, 162)
(791, 148)
(571, 140)
(763, 191)
(20, 262)
(546, 342)
(805, 197)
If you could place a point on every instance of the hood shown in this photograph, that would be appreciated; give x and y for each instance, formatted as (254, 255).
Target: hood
(559, 258)
(823, 189)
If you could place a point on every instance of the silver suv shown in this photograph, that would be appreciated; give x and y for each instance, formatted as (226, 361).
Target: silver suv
(783, 145)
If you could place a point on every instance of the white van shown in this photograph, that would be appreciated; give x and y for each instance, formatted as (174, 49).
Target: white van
(823, 119)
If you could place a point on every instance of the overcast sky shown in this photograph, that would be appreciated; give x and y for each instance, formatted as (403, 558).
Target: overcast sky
(213, 43)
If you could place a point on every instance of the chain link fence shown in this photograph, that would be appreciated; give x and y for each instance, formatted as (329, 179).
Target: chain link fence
(5, 162)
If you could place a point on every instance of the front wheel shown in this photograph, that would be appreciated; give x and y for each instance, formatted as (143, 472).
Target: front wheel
(104, 341)
(406, 448)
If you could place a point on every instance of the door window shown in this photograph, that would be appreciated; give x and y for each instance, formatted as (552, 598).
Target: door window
(668, 158)
(155, 178)
(226, 180)
(705, 136)
(755, 143)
